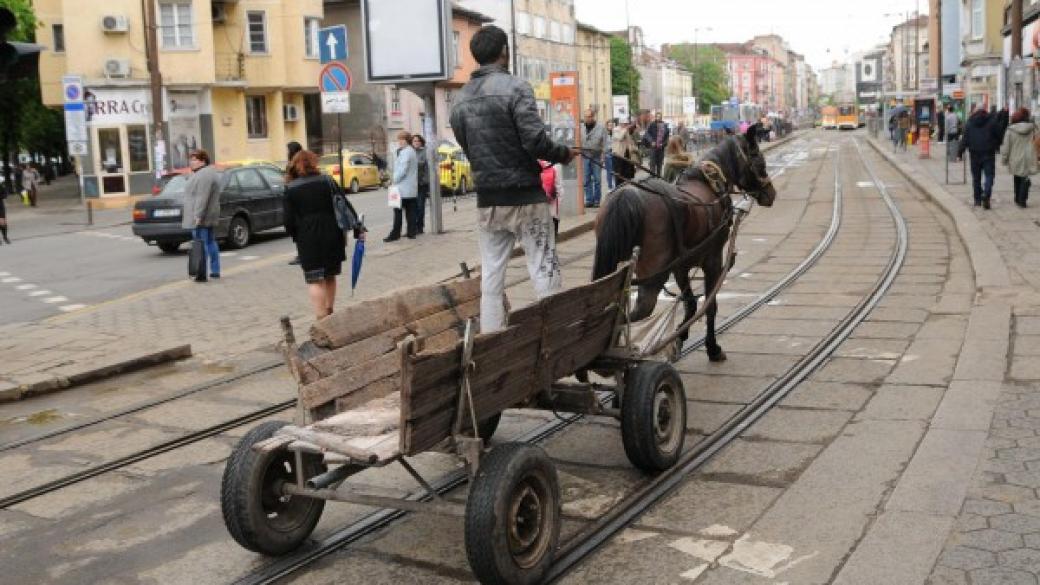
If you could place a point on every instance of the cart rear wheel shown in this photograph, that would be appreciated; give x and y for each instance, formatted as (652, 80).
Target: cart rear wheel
(256, 514)
(653, 416)
(513, 515)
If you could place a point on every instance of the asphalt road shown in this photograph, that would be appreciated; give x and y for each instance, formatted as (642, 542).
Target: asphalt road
(56, 264)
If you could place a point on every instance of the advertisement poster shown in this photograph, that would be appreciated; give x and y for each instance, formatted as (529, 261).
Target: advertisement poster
(563, 98)
(185, 133)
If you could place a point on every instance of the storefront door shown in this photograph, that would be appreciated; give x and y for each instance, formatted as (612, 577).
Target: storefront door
(109, 164)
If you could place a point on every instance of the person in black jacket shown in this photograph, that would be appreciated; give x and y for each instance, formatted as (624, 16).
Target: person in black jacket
(982, 137)
(292, 148)
(496, 121)
(655, 139)
(311, 221)
(419, 144)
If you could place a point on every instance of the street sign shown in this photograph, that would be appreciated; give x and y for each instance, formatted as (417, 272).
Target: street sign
(335, 77)
(72, 88)
(332, 43)
(75, 114)
(335, 102)
(78, 149)
(620, 107)
(689, 105)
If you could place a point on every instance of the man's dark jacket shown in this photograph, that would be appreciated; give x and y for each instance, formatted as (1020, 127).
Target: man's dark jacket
(496, 121)
(981, 135)
(650, 136)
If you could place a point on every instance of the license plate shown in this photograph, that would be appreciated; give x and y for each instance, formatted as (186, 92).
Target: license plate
(166, 213)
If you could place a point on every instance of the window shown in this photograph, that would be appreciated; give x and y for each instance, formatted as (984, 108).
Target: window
(137, 146)
(310, 37)
(395, 100)
(455, 49)
(523, 23)
(249, 180)
(275, 178)
(554, 31)
(59, 37)
(175, 26)
(257, 31)
(976, 19)
(539, 27)
(568, 34)
(256, 116)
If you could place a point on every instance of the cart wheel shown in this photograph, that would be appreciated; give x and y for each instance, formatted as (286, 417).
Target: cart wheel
(513, 515)
(653, 416)
(487, 427)
(257, 517)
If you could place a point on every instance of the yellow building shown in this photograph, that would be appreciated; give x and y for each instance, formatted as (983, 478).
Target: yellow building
(239, 79)
(594, 69)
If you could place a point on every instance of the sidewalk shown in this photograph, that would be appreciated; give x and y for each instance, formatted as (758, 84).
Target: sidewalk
(59, 210)
(996, 534)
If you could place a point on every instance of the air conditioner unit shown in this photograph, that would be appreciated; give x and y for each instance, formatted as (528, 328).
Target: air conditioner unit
(290, 112)
(117, 68)
(219, 12)
(113, 23)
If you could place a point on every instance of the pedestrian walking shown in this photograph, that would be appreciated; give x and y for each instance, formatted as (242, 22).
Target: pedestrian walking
(593, 145)
(902, 129)
(310, 219)
(625, 152)
(892, 127)
(656, 139)
(608, 153)
(1018, 153)
(552, 184)
(406, 181)
(291, 150)
(3, 216)
(953, 131)
(419, 144)
(980, 139)
(202, 211)
(496, 121)
(30, 183)
(676, 160)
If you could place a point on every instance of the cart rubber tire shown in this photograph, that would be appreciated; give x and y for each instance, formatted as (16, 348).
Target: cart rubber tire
(513, 515)
(653, 416)
(259, 522)
(487, 427)
(169, 247)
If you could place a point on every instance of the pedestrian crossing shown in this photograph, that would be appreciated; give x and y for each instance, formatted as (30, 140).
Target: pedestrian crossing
(33, 292)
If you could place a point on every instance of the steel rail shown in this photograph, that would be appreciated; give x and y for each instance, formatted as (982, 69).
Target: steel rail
(592, 538)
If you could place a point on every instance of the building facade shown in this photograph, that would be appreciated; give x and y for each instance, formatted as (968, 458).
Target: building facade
(902, 71)
(239, 79)
(753, 75)
(594, 69)
(982, 74)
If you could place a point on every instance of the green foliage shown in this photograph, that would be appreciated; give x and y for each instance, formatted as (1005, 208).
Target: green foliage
(624, 77)
(23, 13)
(708, 65)
(41, 129)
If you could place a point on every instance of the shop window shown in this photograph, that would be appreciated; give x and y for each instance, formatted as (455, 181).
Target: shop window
(256, 116)
(310, 37)
(395, 101)
(175, 25)
(137, 147)
(59, 37)
(257, 31)
(976, 19)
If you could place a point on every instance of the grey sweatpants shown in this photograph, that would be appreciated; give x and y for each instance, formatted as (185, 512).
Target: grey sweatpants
(498, 229)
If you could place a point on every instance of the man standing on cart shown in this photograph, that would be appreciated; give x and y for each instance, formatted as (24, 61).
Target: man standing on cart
(496, 121)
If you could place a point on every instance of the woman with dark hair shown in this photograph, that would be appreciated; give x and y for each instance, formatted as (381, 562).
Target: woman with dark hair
(419, 144)
(1018, 153)
(310, 219)
(292, 149)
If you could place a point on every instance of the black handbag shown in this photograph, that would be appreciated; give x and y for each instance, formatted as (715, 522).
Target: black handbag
(346, 216)
(197, 259)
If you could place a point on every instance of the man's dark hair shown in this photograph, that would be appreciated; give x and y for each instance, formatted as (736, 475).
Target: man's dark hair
(487, 44)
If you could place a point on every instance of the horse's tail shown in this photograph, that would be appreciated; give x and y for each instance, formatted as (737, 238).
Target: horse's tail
(620, 231)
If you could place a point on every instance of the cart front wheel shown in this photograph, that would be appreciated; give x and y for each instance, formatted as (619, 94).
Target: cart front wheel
(653, 416)
(256, 513)
(513, 515)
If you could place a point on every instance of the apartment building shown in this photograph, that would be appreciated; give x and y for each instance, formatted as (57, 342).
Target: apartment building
(239, 79)
(594, 69)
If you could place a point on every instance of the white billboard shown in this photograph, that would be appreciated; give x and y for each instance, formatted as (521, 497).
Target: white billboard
(406, 41)
(620, 107)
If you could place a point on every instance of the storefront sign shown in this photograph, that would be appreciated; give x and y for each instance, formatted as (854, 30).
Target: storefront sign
(117, 106)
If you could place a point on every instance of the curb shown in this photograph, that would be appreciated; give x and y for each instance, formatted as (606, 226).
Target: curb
(986, 259)
(14, 392)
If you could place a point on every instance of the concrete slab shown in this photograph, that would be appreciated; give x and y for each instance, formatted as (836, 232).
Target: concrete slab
(760, 462)
(927, 361)
(712, 388)
(61, 503)
(939, 474)
(709, 508)
(706, 417)
(982, 360)
(900, 547)
(895, 402)
(968, 406)
(799, 425)
(828, 396)
(856, 370)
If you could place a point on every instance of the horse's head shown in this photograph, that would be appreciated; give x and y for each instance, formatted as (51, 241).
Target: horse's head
(752, 175)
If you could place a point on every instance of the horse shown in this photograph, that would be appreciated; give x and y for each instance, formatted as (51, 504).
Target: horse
(681, 226)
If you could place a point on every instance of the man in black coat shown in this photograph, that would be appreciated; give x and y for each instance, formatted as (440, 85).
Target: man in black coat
(982, 135)
(656, 139)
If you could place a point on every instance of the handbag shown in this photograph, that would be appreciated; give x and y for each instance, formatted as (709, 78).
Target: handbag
(196, 259)
(346, 217)
(393, 197)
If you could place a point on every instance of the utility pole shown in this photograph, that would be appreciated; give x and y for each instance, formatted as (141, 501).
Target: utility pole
(1016, 28)
(151, 43)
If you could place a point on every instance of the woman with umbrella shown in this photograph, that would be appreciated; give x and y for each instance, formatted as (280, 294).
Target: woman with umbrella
(310, 219)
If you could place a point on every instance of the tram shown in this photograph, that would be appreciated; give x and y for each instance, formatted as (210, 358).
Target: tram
(829, 114)
(848, 116)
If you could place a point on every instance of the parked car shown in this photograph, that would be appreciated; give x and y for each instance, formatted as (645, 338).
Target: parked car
(456, 173)
(250, 201)
(361, 172)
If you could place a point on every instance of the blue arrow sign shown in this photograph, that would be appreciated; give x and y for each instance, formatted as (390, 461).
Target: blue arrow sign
(332, 42)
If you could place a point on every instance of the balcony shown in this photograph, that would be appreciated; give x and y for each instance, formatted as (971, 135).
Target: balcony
(230, 68)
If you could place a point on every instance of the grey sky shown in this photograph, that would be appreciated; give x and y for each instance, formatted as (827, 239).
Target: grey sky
(821, 30)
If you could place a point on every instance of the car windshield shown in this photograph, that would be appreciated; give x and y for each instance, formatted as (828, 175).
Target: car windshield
(329, 159)
(175, 186)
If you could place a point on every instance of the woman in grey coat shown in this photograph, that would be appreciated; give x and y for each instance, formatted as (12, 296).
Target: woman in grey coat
(202, 210)
(1018, 153)
(406, 181)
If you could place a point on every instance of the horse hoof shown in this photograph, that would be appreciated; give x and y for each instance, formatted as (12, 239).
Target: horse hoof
(718, 356)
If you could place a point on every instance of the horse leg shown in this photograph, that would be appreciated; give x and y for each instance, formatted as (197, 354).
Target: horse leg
(645, 302)
(712, 274)
(688, 298)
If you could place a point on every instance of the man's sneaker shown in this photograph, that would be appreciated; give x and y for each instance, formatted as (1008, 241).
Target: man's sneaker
(985, 204)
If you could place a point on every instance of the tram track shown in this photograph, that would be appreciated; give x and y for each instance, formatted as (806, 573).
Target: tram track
(285, 566)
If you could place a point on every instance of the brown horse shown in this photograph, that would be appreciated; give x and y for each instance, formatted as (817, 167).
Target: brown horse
(680, 226)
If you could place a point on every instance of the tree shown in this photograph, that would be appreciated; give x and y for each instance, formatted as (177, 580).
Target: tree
(708, 66)
(624, 77)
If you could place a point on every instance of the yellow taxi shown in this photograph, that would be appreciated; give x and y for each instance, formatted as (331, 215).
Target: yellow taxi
(456, 174)
(361, 172)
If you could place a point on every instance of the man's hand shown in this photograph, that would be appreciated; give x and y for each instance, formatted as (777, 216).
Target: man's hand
(572, 153)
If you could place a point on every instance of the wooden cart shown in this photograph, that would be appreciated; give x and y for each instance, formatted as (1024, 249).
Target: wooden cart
(396, 376)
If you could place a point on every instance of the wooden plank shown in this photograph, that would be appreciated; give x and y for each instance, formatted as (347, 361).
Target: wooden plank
(385, 387)
(327, 441)
(346, 381)
(453, 317)
(357, 353)
(375, 316)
